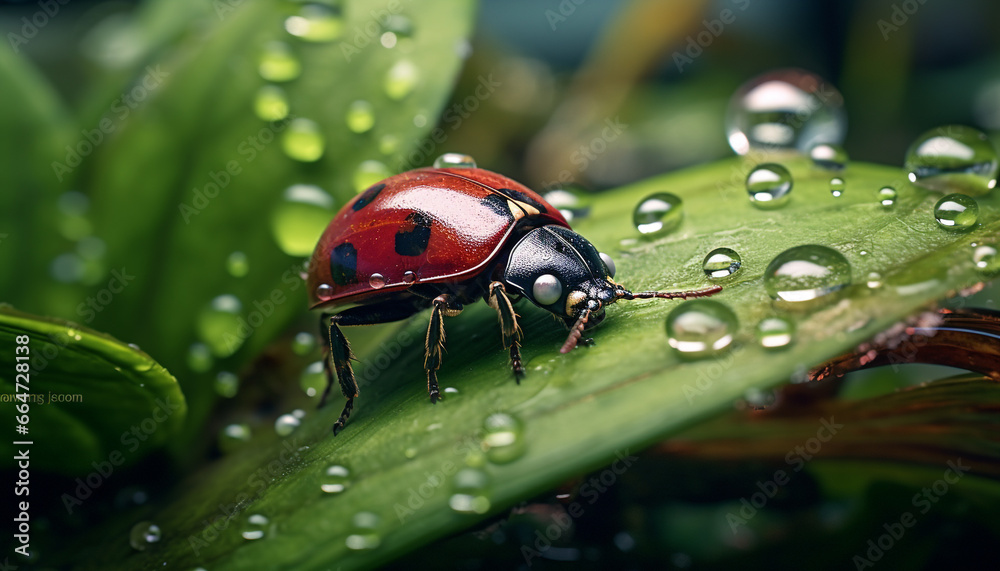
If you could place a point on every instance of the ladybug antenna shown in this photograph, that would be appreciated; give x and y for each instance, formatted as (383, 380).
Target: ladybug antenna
(575, 332)
(626, 294)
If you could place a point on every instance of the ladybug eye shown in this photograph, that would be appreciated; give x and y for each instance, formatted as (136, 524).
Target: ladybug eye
(547, 289)
(609, 263)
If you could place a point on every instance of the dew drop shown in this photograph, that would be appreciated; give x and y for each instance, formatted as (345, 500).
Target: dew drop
(887, 196)
(286, 424)
(572, 202)
(828, 156)
(324, 292)
(368, 173)
(233, 437)
(956, 212)
(144, 534)
(769, 186)
(335, 479)
(303, 141)
(218, 324)
(278, 62)
(873, 280)
(300, 217)
(401, 79)
(237, 264)
(313, 379)
(409, 277)
(470, 491)
(271, 103)
(360, 116)
(700, 328)
(986, 259)
(388, 144)
(376, 281)
(807, 273)
(721, 263)
(303, 343)
(503, 439)
(785, 109)
(226, 384)
(658, 214)
(454, 161)
(199, 358)
(316, 23)
(364, 532)
(450, 392)
(836, 187)
(953, 158)
(255, 527)
(775, 332)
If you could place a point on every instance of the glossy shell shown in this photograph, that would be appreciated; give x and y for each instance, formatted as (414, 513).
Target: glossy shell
(421, 226)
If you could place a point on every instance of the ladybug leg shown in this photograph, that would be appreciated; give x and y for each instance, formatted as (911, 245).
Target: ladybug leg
(338, 353)
(498, 300)
(444, 305)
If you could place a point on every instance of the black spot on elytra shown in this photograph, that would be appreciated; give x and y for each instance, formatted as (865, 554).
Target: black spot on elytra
(413, 235)
(522, 197)
(368, 196)
(344, 264)
(498, 205)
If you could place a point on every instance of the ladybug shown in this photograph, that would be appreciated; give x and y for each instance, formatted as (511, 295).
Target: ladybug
(441, 238)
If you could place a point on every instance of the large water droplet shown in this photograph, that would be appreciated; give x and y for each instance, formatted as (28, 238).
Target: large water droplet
(986, 259)
(953, 158)
(807, 273)
(300, 218)
(503, 440)
(837, 187)
(335, 479)
(271, 103)
(237, 264)
(233, 437)
(376, 281)
(364, 532)
(360, 116)
(887, 196)
(721, 263)
(400, 80)
(829, 157)
(144, 534)
(769, 186)
(286, 424)
(956, 212)
(470, 492)
(316, 23)
(454, 161)
(313, 379)
(218, 325)
(658, 214)
(785, 109)
(368, 173)
(775, 332)
(303, 140)
(255, 527)
(701, 328)
(278, 62)
(324, 292)
(226, 384)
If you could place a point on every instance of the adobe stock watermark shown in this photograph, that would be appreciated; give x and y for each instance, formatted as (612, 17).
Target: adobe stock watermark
(899, 16)
(564, 10)
(248, 149)
(697, 43)
(31, 25)
(922, 501)
(121, 108)
(707, 376)
(591, 491)
(796, 459)
(264, 308)
(584, 155)
(90, 307)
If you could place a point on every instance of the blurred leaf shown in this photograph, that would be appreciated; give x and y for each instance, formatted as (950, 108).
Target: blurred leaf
(190, 175)
(88, 393)
(579, 411)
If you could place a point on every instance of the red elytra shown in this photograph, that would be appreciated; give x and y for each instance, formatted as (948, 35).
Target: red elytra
(440, 224)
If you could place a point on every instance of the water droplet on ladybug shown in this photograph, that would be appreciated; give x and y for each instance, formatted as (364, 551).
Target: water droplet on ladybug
(807, 273)
(278, 62)
(454, 161)
(303, 140)
(701, 328)
(956, 212)
(360, 116)
(377, 281)
(769, 186)
(409, 277)
(721, 263)
(658, 214)
(324, 292)
(953, 158)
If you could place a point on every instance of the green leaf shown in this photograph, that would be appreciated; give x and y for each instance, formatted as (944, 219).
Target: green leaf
(191, 175)
(90, 398)
(580, 410)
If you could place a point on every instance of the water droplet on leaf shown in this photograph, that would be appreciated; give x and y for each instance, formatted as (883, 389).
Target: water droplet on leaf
(953, 158)
(769, 186)
(721, 263)
(658, 214)
(701, 328)
(807, 273)
(956, 212)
